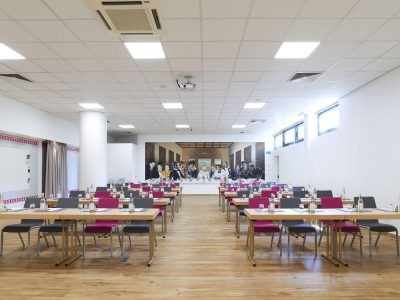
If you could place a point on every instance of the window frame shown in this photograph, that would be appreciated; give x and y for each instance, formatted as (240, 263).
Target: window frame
(275, 136)
(322, 112)
(296, 137)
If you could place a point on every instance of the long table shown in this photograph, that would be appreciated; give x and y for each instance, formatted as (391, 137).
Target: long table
(157, 201)
(70, 217)
(239, 202)
(334, 243)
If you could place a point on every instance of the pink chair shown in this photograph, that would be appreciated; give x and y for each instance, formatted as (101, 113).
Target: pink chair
(102, 194)
(103, 227)
(262, 226)
(276, 188)
(244, 185)
(159, 195)
(135, 185)
(255, 183)
(346, 227)
(172, 185)
(146, 188)
(268, 194)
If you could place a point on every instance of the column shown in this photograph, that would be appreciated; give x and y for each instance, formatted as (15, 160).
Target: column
(93, 149)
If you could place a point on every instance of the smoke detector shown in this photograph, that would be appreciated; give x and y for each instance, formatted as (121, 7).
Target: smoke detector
(187, 84)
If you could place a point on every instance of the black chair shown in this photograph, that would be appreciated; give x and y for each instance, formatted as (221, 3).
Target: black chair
(271, 183)
(24, 226)
(125, 188)
(324, 194)
(255, 188)
(295, 226)
(264, 186)
(118, 187)
(144, 184)
(300, 194)
(126, 184)
(77, 194)
(101, 189)
(57, 226)
(177, 184)
(298, 188)
(156, 187)
(243, 194)
(127, 194)
(374, 225)
(137, 227)
(167, 189)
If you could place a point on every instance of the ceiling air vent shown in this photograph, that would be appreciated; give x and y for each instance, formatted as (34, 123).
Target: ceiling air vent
(128, 17)
(305, 76)
(15, 76)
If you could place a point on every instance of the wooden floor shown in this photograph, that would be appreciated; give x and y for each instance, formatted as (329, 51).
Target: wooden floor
(200, 258)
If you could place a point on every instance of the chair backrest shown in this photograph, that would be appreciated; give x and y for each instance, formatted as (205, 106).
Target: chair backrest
(232, 189)
(298, 188)
(255, 188)
(176, 184)
(236, 184)
(77, 194)
(324, 194)
(68, 202)
(102, 194)
(101, 189)
(268, 194)
(146, 188)
(255, 183)
(173, 185)
(28, 202)
(264, 185)
(244, 186)
(271, 183)
(127, 194)
(290, 202)
(167, 189)
(118, 187)
(156, 187)
(126, 184)
(276, 188)
(300, 194)
(124, 188)
(144, 202)
(108, 203)
(144, 184)
(255, 202)
(331, 202)
(158, 194)
(243, 194)
(369, 202)
(135, 185)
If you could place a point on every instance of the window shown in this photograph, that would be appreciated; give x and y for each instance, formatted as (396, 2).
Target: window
(289, 136)
(328, 119)
(300, 132)
(278, 140)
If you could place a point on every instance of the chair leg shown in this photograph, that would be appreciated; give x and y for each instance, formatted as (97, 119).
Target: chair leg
(345, 238)
(280, 242)
(111, 244)
(122, 244)
(354, 237)
(247, 241)
(130, 242)
(315, 236)
(29, 243)
(119, 236)
(38, 243)
(361, 252)
(288, 242)
(54, 240)
(397, 242)
(272, 239)
(95, 242)
(45, 238)
(304, 241)
(22, 240)
(155, 238)
(377, 239)
(321, 235)
(84, 244)
(2, 241)
(369, 242)
(78, 238)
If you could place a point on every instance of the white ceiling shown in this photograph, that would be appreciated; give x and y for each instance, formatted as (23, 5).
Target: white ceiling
(227, 45)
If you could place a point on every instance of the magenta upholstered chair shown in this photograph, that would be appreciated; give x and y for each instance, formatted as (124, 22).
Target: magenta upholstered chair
(103, 227)
(244, 185)
(276, 188)
(346, 227)
(255, 183)
(102, 194)
(268, 194)
(172, 185)
(135, 185)
(262, 226)
(146, 188)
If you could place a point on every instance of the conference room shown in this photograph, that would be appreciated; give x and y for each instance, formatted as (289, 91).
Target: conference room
(199, 149)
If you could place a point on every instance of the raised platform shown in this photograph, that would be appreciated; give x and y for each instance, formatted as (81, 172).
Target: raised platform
(200, 187)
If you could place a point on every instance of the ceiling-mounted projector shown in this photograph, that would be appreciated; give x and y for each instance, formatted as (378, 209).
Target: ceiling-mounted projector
(186, 85)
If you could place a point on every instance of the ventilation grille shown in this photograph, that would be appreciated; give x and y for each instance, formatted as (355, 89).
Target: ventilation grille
(305, 76)
(15, 76)
(128, 17)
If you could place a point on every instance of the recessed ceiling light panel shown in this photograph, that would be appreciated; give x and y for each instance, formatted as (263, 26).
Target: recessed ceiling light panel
(126, 126)
(7, 53)
(145, 50)
(296, 49)
(91, 106)
(238, 126)
(254, 105)
(182, 126)
(176, 105)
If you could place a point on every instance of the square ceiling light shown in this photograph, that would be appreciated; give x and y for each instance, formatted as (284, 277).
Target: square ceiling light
(91, 105)
(254, 105)
(126, 126)
(296, 49)
(8, 53)
(145, 50)
(238, 126)
(182, 126)
(176, 105)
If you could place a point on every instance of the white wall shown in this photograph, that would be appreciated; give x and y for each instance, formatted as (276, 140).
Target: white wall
(142, 139)
(19, 118)
(121, 161)
(363, 155)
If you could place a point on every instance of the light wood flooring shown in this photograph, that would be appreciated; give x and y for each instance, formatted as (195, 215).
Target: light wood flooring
(200, 259)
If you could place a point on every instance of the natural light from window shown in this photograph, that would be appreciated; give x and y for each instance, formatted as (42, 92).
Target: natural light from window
(328, 120)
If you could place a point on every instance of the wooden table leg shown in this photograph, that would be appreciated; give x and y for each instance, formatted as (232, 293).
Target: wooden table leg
(223, 203)
(151, 244)
(172, 209)
(227, 210)
(165, 221)
(237, 221)
(251, 243)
